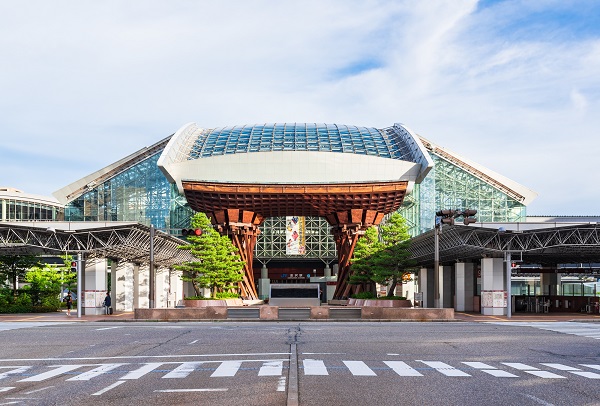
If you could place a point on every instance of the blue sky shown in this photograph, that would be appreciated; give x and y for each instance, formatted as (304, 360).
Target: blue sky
(512, 85)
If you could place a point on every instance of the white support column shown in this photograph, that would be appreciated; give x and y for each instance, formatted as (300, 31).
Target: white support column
(143, 283)
(464, 287)
(549, 283)
(123, 282)
(136, 286)
(95, 285)
(161, 281)
(426, 281)
(445, 279)
(176, 289)
(493, 289)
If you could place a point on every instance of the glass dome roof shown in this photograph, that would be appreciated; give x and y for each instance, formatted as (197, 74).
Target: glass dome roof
(386, 143)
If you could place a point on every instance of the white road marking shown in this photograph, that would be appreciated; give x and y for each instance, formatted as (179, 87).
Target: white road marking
(39, 390)
(402, 368)
(86, 376)
(190, 390)
(519, 366)
(143, 357)
(281, 384)
(573, 370)
(182, 370)
(359, 368)
(444, 368)
(271, 368)
(488, 369)
(594, 366)
(314, 367)
(51, 374)
(194, 342)
(7, 388)
(108, 328)
(227, 368)
(109, 387)
(143, 370)
(17, 370)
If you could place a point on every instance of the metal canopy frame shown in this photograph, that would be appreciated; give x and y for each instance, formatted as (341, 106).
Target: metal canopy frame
(126, 242)
(546, 246)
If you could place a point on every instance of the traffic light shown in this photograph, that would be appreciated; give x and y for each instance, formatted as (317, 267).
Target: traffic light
(448, 220)
(195, 232)
(445, 213)
(468, 219)
(73, 266)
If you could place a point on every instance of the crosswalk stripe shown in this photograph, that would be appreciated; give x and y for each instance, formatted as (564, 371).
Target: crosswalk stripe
(86, 376)
(519, 366)
(17, 370)
(182, 370)
(271, 368)
(402, 368)
(359, 368)
(6, 388)
(143, 370)
(573, 370)
(545, 374)
(51, 374)
(490, 370)
(594, 366)
(227, 368)
(314, 367)
(444, 368)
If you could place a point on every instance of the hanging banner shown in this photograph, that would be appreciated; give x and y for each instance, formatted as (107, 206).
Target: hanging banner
(295, 236)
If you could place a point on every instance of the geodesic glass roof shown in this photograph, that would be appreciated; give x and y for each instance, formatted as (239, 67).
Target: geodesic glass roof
(387, 143)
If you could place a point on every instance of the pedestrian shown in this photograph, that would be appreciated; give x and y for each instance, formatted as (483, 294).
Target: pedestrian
(69, 301)
(107, 303)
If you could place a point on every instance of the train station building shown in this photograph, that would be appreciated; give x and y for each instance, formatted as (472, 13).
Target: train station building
(295, 197)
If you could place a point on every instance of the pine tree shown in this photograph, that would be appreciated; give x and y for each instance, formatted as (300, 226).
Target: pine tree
(218, 266)
(382, 256)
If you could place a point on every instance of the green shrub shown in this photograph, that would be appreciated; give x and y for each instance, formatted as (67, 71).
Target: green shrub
(227, 295)
(392, 298)
(363, 295)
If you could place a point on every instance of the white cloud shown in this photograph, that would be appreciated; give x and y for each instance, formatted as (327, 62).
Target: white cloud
(90, 82)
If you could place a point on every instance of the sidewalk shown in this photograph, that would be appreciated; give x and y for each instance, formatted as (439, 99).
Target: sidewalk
(459, 316)
(529, 317)
(62, 316)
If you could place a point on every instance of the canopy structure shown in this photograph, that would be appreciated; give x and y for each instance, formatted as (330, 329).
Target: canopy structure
(539, 243)
(121, 241)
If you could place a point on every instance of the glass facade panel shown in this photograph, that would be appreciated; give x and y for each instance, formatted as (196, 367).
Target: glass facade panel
(448, 186)
(141, 194)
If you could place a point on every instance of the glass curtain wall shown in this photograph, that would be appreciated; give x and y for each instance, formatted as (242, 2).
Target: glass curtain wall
(448, 186)
(141, 193)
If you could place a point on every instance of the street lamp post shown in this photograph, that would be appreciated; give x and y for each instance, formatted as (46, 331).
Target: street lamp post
(445, 217)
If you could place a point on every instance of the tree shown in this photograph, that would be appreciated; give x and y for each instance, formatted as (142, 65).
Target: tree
(219, 266)
(362, 259)
(14, 267)
(382, 256)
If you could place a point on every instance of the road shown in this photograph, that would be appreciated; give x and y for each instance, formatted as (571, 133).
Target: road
(304, 363)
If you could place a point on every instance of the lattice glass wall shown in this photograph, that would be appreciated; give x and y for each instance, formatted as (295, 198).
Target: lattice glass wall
(141, 193)
(448, 186)
(271, 242)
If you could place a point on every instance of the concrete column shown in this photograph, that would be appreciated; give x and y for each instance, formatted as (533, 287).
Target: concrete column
(143, 283)
(123, 291)
(264, 283)
(176, 298)
(161, 281)
(426, 286)
(94, 287)
(492, 287)
(136, 286)
(550, 283)
(327, 271)
(465, 287)
(445, 289)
